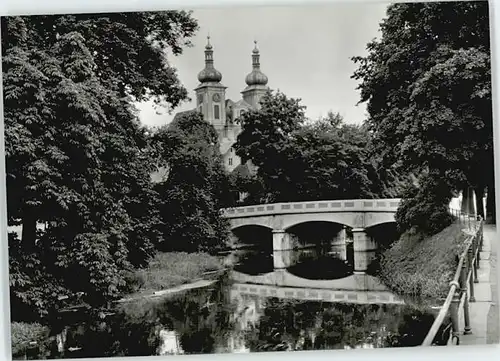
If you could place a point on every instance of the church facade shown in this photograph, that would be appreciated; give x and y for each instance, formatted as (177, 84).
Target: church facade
(223, 113)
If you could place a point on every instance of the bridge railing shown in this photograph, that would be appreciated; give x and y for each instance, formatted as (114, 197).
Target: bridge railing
(358, 205)
(461, 290)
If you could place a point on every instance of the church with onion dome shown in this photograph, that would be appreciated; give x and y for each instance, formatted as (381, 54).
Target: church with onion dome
(221, 112)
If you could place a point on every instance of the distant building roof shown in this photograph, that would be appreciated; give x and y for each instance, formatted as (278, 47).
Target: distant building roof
(242, 103)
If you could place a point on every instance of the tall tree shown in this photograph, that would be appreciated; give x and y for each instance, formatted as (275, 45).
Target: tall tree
(427, 85)
(265, 138)
(77, 157)
(196, 186)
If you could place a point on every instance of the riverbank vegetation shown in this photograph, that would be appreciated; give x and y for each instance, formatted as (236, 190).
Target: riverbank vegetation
(170, 269)
(423, 266)
(29, 338)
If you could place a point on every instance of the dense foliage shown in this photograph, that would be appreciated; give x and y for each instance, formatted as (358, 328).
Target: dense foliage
(28, 339)
(427, 85)
(425, 206)
(299, 161)
(78, 163)
(128, 48)
(196, 188)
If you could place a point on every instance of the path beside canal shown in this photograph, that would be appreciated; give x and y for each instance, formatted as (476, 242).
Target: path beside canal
(493, 316)
(484, 312)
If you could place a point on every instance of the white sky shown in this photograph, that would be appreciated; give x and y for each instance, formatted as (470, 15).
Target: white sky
(305, 52)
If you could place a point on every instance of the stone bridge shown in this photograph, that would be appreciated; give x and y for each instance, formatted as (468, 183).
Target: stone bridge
(362, 213)
(359, 215)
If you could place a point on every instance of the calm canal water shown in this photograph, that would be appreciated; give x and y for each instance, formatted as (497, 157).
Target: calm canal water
(217, 319)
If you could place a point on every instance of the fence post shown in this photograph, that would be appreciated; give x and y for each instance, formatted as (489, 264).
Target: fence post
(481, 235)
(479, 240)
(472, 267)
(463, 292)
(475, 263)
(454, 313)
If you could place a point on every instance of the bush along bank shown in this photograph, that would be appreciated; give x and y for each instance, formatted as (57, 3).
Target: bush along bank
(172, 269)
(421, 267)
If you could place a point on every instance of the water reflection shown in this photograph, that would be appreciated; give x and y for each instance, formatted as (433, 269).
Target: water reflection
(312, 262)
(216, 320)
(252, 261)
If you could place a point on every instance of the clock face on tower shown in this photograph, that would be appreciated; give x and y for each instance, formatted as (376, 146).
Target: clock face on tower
(216, 98)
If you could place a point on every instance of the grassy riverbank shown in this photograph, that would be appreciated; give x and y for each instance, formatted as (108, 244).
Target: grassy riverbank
(166, 270)
(422, 267)
(173, 269)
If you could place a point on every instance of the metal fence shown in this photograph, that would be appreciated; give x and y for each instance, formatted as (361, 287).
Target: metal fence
(461, 290)
(469, 221)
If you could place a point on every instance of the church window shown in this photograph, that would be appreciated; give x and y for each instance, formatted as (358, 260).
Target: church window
(200, 109)
(230, 161)
(216, 111)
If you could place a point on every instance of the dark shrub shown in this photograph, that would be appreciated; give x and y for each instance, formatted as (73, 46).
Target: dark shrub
(425, 207)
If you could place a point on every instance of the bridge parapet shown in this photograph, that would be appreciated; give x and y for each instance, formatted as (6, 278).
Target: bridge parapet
(357, 205)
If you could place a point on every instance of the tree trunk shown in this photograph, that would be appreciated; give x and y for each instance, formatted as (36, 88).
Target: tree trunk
(29, 232)
(479, 191)
(490, 206)
(467, 201)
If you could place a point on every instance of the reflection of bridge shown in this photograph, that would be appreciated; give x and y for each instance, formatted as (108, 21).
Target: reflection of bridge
(361, 289)
(280, 218)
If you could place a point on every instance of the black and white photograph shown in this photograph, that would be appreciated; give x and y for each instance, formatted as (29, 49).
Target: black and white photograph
(248, 179)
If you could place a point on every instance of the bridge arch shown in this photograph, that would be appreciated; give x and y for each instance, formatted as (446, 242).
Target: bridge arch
(383, 234)
(252, 234)
(373, 219)
(350, 219)
(265, 222)
(252, 249)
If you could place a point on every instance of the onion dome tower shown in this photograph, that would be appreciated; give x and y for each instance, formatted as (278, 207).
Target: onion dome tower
(209, 74)
(256, 81)
(210, 93)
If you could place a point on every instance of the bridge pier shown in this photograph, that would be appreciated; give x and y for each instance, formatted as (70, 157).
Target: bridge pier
(339, 244)
(282, 249)
(364, 250)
